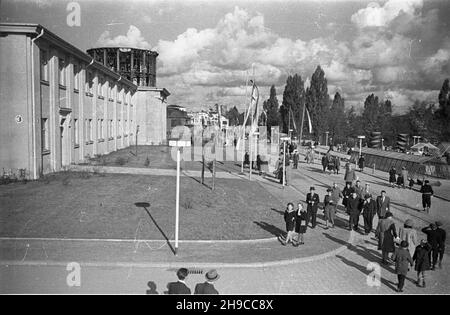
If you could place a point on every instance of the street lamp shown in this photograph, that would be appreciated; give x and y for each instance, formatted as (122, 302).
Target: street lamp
(179, 144)
(360, 143)
(284, 139)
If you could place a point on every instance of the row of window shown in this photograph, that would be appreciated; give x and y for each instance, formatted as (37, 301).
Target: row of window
(102, 89)
(88, 131)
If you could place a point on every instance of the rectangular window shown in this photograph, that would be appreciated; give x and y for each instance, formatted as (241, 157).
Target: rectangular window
(100, 86)
(89, 82)
(100, 129)
(62, 71)
(44, 65)
(88, 129)
(75, 132)
(45, 145)
(76, 77)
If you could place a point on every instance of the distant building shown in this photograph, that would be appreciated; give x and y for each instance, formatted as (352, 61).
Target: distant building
(59, 106)
(176, 116)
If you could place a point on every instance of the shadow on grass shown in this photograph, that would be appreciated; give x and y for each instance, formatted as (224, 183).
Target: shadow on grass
(145, 206)
(272, 229)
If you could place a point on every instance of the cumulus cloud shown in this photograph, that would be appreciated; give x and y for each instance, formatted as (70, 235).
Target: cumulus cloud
(133, 38)
(211, 65)
(375, 15)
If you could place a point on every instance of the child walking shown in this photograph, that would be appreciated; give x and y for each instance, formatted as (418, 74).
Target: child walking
(300, 224)
(289, 218)
(422, 262)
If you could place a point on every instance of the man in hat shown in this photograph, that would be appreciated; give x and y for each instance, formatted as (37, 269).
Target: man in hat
(427, 192)
(312, 201)
(346, 193)
(434, 238)
(441, 246)
(369, 211)
(208, 286)
(353, 209)
(180, 286)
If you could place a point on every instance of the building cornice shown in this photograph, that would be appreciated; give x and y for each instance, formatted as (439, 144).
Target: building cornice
(33, 30)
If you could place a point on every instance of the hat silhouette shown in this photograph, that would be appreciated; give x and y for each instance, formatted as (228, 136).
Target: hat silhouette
(212, 275)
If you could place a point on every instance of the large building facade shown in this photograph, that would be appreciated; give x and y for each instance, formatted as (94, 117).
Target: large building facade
(58, 106)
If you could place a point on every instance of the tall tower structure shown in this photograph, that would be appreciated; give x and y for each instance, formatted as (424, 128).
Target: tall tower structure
(136, 65)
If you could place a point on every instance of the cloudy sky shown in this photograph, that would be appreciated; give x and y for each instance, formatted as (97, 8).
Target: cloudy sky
(397, 49)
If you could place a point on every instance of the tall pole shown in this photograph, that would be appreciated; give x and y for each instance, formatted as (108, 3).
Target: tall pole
(137, 130)
(301, 128)
(177, 206)
(284, 163)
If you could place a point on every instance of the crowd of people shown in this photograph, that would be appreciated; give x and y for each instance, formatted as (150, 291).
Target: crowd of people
(400, 247)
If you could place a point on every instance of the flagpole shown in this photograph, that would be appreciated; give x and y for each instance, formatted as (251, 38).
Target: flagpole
(301, 128)
(251, 128)
(243, 125)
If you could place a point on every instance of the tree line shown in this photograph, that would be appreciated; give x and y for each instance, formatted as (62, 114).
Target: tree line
(431, 121)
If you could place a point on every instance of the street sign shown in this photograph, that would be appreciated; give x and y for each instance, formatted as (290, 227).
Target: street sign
(179, 143)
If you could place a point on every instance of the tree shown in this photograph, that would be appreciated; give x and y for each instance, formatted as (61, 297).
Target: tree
(292, 105)
(370, 115)
(354, 123)
(442, 114)
(318, 102)
(233, 116)
(271, 108)
(337, 122)
(420, 120)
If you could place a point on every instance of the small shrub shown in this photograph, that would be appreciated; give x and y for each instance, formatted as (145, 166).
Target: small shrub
(187, 204)
(66, 181)
(120, 161)
(147, 162)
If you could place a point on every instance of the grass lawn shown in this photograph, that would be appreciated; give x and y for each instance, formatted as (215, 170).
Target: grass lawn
(82, 205)
(154, 157)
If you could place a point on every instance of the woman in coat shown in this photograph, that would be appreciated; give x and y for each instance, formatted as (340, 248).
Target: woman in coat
(392, 176)
(301, 224)
(386, 234)
(409, 234)
(422, 262)
(403, 260)
(328, 208)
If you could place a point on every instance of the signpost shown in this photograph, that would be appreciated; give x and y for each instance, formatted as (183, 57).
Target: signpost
(284, 139)
(360, 143)
(179, 144)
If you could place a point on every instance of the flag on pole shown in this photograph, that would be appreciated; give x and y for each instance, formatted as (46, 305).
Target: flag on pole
(293, 120)
(253, 108)
(309, 121)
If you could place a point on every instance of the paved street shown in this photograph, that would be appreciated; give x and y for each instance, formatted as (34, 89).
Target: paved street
(332, 261)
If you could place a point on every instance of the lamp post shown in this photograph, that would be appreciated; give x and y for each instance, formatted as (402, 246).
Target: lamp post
(179, 144)
(284, 139)
(360, 143)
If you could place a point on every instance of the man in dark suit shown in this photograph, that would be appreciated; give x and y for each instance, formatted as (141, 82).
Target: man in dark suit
(369, 211)
(353, 209)
(312, 201)
(383, 204)
(208, 286)
(180, 286)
